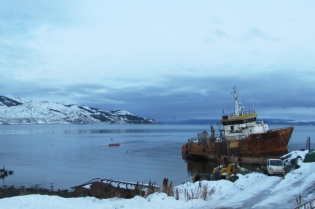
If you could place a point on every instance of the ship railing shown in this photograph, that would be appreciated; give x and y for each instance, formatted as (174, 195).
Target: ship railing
(193, 140)
(209, 138)
(260, 122)
(212, 138)
(226, 116)
(235, 138)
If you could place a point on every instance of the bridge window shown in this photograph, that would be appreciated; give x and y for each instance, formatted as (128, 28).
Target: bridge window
(234, 122)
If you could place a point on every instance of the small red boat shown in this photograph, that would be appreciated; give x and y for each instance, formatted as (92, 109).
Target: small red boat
(114, 145)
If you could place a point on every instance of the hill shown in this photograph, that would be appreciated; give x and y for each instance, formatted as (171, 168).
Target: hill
(16, 111)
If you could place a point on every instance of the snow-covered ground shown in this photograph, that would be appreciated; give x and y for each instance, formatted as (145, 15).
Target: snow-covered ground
(252, 190)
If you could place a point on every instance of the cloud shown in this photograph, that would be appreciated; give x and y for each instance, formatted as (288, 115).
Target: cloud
(195, 97)
(185, 96)
(221, 34)
(255, 33)
(160, 58)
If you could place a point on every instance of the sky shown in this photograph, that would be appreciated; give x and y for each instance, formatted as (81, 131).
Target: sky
(164, 60)
(253, 190)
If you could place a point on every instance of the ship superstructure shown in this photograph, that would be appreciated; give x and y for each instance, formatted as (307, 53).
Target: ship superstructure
(241, 124)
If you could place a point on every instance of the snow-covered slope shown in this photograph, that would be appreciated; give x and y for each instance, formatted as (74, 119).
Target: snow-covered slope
(19, 112)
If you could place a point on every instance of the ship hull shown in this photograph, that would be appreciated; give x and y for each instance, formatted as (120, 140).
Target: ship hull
(255, 149)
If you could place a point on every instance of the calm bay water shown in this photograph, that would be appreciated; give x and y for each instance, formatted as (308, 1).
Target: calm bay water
(69, 155)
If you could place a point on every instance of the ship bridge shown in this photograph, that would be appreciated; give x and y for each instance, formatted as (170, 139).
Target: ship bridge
(241, 118)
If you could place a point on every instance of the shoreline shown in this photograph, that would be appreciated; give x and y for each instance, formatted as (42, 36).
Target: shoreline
(12, 191)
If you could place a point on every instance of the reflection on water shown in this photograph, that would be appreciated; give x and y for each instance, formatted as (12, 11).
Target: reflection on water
(194, 167)
(204, 166)
(91, 131)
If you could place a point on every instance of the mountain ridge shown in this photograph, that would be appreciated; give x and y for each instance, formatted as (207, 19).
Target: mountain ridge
(44, 112)
(270, 121)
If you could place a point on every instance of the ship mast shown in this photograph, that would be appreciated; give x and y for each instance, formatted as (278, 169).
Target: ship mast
(236, 107)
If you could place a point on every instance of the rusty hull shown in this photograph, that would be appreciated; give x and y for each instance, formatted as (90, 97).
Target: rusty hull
(255, 149)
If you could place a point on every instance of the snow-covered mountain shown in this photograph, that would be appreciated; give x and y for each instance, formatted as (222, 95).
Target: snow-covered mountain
(16, 111)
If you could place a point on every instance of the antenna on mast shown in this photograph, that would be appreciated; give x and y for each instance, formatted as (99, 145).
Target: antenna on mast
(252, 105)
(223, 108)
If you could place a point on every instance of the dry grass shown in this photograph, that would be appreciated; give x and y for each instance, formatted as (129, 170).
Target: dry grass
(167, 187)
(201, 192)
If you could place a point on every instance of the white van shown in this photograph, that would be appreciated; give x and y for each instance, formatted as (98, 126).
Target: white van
(275, 166)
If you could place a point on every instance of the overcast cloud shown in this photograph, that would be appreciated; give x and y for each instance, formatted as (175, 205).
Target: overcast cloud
(160, 59)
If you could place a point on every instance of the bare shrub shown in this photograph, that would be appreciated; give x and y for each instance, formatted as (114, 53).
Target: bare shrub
(176, 194)
(151, 188)
(201, 192)
(204, 192)
(167, 188)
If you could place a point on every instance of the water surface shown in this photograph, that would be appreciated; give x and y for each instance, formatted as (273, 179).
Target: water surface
(69, 155)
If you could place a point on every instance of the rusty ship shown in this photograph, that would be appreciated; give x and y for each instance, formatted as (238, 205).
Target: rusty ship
(241, 139)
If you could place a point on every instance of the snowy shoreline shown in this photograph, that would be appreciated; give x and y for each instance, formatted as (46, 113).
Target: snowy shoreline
(254, 190)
